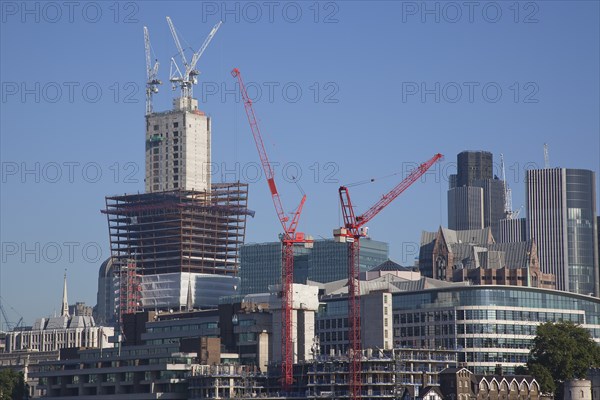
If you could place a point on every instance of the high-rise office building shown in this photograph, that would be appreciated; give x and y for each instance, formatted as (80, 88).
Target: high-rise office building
(465, 208)
(472, 166)
(179, 241)
(561, 215)
(475, 195)
(177, 245)
(512, 230)
(326, 261)
(261, 266)
(178, 151)
(493, 202)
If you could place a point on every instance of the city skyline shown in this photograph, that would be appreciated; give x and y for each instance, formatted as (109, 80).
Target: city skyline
(69, 136)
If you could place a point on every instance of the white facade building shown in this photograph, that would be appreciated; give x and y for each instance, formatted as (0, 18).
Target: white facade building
(304, 306)
(55, 333)
(178, 152)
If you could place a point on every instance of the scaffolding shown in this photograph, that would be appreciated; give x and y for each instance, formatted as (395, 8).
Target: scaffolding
(129, 295)
(179, 230)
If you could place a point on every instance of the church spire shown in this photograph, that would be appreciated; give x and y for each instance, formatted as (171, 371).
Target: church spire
(65, 304)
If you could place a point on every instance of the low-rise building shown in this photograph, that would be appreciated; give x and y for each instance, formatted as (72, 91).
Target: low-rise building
(460, 383)
(55, 333)
(146, 372)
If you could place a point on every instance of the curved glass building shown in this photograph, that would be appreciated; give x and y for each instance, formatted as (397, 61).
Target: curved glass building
(487, 325)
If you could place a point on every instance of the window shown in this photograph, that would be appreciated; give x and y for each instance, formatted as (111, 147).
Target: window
(155, 127)
(175, 124)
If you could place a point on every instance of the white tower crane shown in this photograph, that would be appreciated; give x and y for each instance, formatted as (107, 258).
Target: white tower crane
(508, 209)
(546, 156)
(152, 80)
(188, 77)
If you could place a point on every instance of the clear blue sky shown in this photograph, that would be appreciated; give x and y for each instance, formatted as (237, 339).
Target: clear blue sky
(369, 73)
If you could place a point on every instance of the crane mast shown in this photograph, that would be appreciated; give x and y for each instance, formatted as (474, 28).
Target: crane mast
(152, 80)
(546, 156)
(289, 238)
(188, 78)
(351, 234)
(507, 191)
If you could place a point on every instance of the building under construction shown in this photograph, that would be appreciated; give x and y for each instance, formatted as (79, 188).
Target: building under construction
(183, 244)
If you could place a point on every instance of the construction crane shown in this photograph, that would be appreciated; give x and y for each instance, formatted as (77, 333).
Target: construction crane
(289, 238)
(507, 191)
(152, 80)
(351, 233)
(188, 78)
(546, 156)
(509, 213)
(9, 325)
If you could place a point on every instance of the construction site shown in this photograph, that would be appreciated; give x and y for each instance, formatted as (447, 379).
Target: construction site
(171, 244)
(176, 256)
(385, 375)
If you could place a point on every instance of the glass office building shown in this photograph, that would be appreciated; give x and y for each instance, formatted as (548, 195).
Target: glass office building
(561, 215)
(326, 262)
(488, 325)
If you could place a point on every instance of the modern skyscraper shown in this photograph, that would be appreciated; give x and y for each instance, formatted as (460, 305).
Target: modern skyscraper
(465, 208)
(326, 261)
(493, 202)
(178, 149)
(512, 230)
(475, 195)
(561, 215)
(473, 166)
(178, 243)
(175, 236)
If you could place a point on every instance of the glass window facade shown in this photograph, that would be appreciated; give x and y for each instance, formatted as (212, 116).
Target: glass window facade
(488, 325)
(327, 261)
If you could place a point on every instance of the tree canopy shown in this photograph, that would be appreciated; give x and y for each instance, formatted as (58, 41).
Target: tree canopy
(12, 385)
(561, 351)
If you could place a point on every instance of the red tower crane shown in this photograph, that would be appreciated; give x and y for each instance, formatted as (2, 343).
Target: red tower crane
(351, 233)
(288, 239)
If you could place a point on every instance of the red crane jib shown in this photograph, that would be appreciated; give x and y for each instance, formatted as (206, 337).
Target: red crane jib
(355, 223)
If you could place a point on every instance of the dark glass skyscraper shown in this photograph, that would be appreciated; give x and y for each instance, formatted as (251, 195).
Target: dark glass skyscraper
(469, 208)
(472, 166)
(561, 216)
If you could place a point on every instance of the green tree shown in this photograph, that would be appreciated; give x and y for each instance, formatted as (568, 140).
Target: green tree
(12, 385)
(561, 351)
